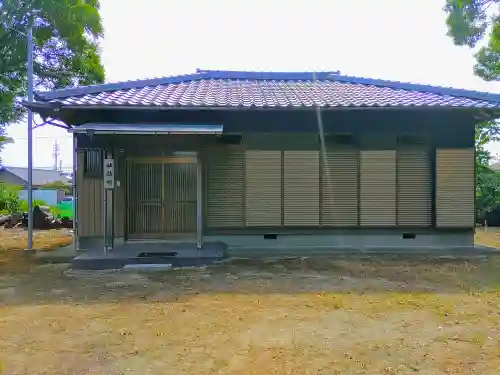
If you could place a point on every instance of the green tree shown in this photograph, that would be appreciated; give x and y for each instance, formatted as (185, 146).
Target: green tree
(58, 185)
(487, 180)
(471, 22)
(66, 35)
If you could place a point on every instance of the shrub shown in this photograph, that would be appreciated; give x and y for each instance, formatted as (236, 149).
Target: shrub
(36, 202)
(9, 198)
(58, 185)
(11, 203)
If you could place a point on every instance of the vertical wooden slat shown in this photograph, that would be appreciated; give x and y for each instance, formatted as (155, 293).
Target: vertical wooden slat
(263, 188)
(414, 188)
(301, 188)
(340, 188)
(90, 202)
(98, 203)
(180, 180)
(378, 188)
(119, 196)
(455, 188)
(145, 196)
(90, 206)
(224, 184)
(82, 220)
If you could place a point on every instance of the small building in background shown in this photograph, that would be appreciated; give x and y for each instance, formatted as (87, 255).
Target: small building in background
(19, 176)
(41, 177)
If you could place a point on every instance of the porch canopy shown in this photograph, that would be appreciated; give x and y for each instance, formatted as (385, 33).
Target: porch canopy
(110, 128)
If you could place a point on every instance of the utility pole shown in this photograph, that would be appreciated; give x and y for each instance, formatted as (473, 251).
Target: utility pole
(29, 73)
(55, 153)
(30, 138)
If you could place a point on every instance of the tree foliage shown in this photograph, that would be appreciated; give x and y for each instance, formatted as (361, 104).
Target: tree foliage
(58, 185)
(487, 180)
(66, 50)
(9, 198)
(473, 21)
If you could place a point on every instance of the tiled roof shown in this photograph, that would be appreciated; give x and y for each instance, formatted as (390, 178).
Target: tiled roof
(208, 88)
(40, 176)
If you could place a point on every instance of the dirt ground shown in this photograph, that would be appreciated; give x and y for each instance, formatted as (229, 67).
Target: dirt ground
(288, 316)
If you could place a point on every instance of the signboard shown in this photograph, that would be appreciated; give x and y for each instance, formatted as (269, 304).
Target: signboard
(109, 174)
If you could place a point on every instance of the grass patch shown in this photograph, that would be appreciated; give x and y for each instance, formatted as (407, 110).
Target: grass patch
(490, 238)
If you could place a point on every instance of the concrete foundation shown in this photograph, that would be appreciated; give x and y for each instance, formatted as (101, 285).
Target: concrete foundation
(150, 253)
(217, 247)
(245, 245)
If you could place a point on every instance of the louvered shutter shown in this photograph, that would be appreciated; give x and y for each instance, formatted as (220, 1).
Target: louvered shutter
(339, 200)
(301, 188)
(455, 184)
(224, 179)
(414, 188)
(263, 188)
(378, 188)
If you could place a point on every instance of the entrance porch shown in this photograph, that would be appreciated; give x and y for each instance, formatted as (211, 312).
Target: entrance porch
(126, 253)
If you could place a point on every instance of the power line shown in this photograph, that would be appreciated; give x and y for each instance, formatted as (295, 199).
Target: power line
(44, 137)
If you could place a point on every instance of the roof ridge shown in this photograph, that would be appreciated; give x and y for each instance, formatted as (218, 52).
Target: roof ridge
(408, 86)
(201, 74)
(116, 86)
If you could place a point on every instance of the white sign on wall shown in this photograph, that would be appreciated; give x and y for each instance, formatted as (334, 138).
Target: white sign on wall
(109, 173)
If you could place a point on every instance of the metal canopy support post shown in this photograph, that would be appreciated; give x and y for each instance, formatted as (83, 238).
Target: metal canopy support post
(109, 185)
(30, 139)
(199, 203)
(76, 244)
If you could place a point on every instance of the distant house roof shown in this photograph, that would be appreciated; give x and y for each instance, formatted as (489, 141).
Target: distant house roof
(40, 176)
(495, 167)
(233, 89)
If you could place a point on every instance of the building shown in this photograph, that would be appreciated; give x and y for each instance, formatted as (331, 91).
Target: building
(261, 160)
(495, 167)
(19, 176)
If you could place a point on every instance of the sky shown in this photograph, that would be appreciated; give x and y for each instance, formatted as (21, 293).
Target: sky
(387, 39)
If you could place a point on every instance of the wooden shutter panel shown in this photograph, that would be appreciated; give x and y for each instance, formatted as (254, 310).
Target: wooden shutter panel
(90, 201)
(263, 188)
(224, 179)
(378, 188)
(301, 188)
(414, 188)
(339, 199)
(455, 182)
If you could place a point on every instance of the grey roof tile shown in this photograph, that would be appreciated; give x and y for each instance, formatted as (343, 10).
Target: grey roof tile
(268, 89)
(40, 176)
